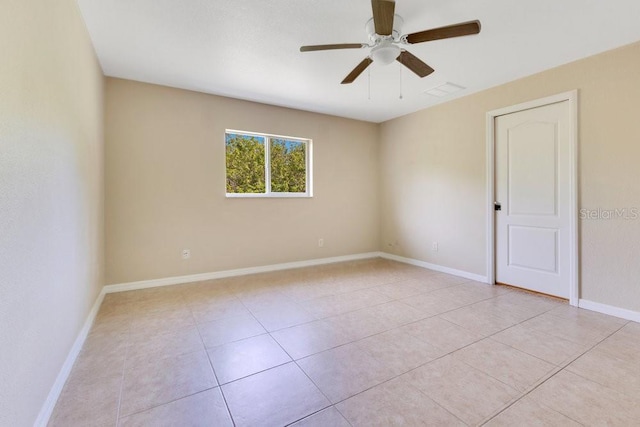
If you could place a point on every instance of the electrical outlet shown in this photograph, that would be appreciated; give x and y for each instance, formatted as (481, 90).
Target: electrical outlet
(320, 242)
(434, 246)
(186, 253)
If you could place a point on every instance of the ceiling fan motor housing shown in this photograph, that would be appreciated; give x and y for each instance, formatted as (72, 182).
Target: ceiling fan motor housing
(395, 34)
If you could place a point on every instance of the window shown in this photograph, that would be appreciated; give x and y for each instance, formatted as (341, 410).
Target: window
(261, 165)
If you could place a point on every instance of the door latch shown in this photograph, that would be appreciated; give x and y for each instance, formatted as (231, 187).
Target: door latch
(497, 206)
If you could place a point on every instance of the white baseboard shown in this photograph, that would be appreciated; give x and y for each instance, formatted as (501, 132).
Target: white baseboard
(622, 313)
(144, 284)
(436, 267)
(63, 375)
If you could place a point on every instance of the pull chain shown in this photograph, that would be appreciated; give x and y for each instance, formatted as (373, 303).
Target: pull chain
(401, 97)
(369, 83)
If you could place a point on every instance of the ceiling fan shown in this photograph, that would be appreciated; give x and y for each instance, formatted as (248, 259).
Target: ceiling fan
(384, 33)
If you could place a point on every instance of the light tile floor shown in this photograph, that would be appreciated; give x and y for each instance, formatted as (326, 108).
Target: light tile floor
(368, 343)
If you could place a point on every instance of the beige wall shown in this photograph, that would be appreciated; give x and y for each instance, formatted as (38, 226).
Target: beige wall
(433, 182)
(165, 186)
(51, 197)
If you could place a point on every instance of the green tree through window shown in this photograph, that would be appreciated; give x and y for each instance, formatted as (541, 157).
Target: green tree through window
(265, 164)
(245, 164)
(288, 166)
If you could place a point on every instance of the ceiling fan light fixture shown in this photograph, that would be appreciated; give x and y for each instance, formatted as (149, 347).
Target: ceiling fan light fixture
(385, 53)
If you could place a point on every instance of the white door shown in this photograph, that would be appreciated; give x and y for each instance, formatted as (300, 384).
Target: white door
(533, 188)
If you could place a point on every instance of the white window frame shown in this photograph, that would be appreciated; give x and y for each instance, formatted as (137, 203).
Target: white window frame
(267, 165)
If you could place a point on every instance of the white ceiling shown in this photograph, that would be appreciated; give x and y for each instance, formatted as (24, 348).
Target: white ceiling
(248, 49)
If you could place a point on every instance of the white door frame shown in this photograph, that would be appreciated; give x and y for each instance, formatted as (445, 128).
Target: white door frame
(572, 98)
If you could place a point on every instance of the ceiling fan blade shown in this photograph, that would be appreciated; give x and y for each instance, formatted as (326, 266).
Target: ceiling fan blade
(332, 46)
(357, 71)
(456, 30)
(383, 12)
(414, 63)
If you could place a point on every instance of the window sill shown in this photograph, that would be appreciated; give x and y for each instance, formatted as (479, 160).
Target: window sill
(268, 196)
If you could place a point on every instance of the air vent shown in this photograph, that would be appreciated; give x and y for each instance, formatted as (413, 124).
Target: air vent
(444, 90)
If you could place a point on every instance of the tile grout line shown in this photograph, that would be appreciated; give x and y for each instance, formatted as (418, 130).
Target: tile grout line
(433, 360)
(315, 413)
(539, 382)
(124, 367)
(140, 411)
(387, 330)
(413, 369)
(129, 345)
(482, 339)
(392, 300)
(224, 398)
(291, 361)
(332, 405)
(553, 373)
